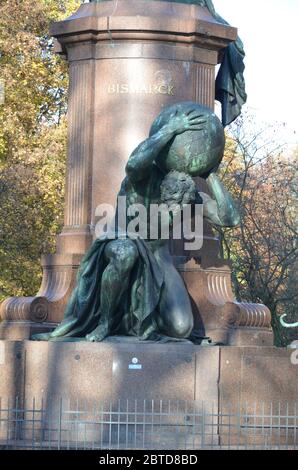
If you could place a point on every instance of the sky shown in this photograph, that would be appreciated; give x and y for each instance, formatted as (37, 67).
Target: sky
(268, 29)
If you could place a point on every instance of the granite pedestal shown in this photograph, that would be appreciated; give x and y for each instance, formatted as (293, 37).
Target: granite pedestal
(87, 375)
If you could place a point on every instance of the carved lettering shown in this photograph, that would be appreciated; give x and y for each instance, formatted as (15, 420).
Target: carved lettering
(151, 89)
(124, 88)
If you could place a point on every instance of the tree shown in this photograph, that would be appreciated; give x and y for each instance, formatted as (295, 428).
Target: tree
(264, 248)
(32, 140)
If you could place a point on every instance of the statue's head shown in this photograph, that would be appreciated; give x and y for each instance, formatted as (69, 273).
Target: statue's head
(177, 188)
(195, 153)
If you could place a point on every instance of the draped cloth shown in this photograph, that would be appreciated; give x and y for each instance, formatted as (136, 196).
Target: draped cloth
(230, 83)
(137, 307)
(137, 310)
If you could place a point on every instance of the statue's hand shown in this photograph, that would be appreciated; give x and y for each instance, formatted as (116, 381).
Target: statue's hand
(190, 121)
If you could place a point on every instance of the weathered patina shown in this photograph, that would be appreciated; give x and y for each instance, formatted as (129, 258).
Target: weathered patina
(130, 286)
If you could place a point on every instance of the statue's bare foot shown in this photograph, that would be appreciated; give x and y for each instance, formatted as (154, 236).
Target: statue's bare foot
(99, 334)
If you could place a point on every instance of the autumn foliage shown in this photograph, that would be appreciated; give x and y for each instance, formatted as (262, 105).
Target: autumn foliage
(32, 140)
(262, 175)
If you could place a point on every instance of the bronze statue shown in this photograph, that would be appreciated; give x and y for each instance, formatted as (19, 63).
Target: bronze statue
(129, 286)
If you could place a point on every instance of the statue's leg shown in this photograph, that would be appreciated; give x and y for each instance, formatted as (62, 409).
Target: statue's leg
(176, 317)
(121, 255)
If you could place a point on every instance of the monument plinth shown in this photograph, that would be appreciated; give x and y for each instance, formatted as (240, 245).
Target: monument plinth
(127, 60)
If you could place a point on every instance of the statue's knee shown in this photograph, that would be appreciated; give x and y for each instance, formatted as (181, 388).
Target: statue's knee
(123, 254)
(128, 258)
(181, 327)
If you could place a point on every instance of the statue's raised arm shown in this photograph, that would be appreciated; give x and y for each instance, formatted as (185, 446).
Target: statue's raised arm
(140, 162)
(222, 210)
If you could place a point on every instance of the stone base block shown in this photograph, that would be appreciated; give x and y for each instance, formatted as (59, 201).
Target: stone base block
(23, 330)
(238, 388)
(247, 336)
(95, 372)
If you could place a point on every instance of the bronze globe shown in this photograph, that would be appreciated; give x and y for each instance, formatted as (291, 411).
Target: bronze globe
(196, 153)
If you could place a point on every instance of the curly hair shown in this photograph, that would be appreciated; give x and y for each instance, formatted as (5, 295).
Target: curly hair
(178, 187)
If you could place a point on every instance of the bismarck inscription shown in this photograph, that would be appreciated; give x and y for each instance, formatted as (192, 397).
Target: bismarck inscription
(126, 88)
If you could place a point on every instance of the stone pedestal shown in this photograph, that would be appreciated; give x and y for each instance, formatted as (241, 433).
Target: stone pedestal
(180, 377)
(127, 60)
(101, 372)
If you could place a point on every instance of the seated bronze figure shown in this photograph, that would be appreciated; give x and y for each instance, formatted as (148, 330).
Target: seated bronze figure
(129, 285)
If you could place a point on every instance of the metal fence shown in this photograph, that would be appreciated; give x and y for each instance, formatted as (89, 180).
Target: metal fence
(135, 424)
